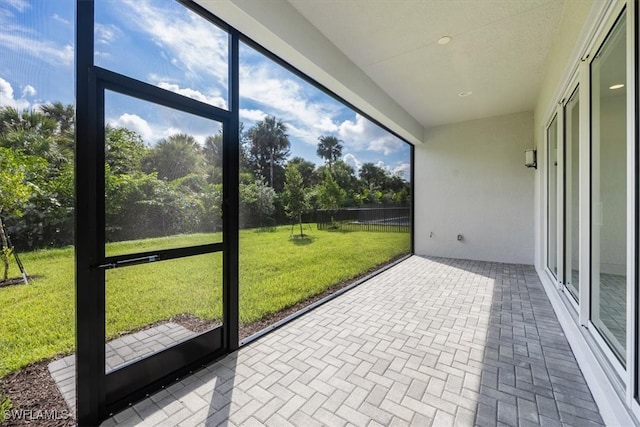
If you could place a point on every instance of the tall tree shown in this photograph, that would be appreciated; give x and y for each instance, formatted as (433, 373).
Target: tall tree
(174, 157)
(268, 146)
(61, 114)
(332, 197)
(373, 177)
(306, 169)
(64, 116)
(257, 203)
(294, 195)
(212, 150)
(30, 132)
(329, 149)
(44, 143)
(14, 193)
(212, 154)
(124, 150)
(345, 176)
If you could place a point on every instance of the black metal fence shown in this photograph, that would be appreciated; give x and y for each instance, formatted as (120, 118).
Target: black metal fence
(394, 218)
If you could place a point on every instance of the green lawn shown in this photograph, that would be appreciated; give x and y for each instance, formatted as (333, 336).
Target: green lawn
(37, 321)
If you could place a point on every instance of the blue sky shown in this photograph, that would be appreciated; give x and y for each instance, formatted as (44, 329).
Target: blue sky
(162, 43)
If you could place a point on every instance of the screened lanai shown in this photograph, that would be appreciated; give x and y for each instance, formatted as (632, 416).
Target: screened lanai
(313, 212)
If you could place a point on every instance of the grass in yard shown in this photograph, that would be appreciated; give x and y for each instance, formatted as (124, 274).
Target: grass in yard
(37, 321)
(5, 405)
(275, 274)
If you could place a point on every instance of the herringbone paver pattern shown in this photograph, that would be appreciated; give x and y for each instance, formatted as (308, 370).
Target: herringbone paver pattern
(430, 342)
(118, 352)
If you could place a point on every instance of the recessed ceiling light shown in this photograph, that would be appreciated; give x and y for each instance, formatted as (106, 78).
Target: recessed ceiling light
(465, 93)
(616, 86)
(444, 40)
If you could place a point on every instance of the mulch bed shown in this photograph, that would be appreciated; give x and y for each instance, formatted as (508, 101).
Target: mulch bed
(33, 389)
(17, 281)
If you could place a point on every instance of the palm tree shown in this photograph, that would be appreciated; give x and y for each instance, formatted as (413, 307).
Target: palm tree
(62, 114)
(212, 150)
(31, 132)
(329, 149)
(269, 143)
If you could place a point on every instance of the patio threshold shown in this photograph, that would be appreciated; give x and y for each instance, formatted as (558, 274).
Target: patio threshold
(429, 341)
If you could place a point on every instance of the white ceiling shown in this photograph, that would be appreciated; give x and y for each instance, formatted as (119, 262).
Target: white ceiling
(498, 51)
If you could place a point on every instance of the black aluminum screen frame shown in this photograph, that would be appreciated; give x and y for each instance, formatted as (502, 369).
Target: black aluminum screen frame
(99, 394)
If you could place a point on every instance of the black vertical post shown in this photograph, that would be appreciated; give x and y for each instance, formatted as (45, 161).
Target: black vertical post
(231, 183)
(90, 356)
(412, 208)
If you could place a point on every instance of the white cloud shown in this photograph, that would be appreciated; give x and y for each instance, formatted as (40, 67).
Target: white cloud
(252, 115)
(288, 100)
(7, 99)
(25, 40)
(136, 124)
(191, 42)
(382, 165)
(215, 100)
(106, 33)
(302, 133)
(365, 135)
(61, 19)
(67, 55)
(45, 50)
(151, 133)
(402, 170)
(28, 90)
(8, 19)
(19, 5)
(387, 144)
(172, 130)
(352, 161)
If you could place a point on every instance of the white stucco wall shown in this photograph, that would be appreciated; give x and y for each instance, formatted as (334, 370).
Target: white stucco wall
(470, 179)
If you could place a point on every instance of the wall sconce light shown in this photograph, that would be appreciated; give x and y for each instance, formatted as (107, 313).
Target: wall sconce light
(530, 158)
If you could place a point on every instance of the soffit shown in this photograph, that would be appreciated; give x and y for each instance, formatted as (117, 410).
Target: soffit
(498, 51)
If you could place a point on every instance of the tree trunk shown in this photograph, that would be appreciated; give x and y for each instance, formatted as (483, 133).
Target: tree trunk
(300, 220)
(4, 251)
(271, 168)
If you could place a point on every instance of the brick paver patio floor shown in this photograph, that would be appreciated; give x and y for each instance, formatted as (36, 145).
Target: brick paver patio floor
(429, 342)
(119, 352)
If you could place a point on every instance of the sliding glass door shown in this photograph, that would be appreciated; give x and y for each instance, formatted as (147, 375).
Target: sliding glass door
(572, 195)
(609, 190)
(552, 197)
(592, 182)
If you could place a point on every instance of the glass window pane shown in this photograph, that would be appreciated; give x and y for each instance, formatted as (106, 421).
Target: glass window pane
(572, 193)
(163, 177)
(609, 190)
(37, 151)
(154, 306)
(165, 44)
(324, 193)
(552, 196)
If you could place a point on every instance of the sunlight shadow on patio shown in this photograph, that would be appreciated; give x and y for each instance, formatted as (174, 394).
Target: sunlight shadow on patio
(431, 341)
